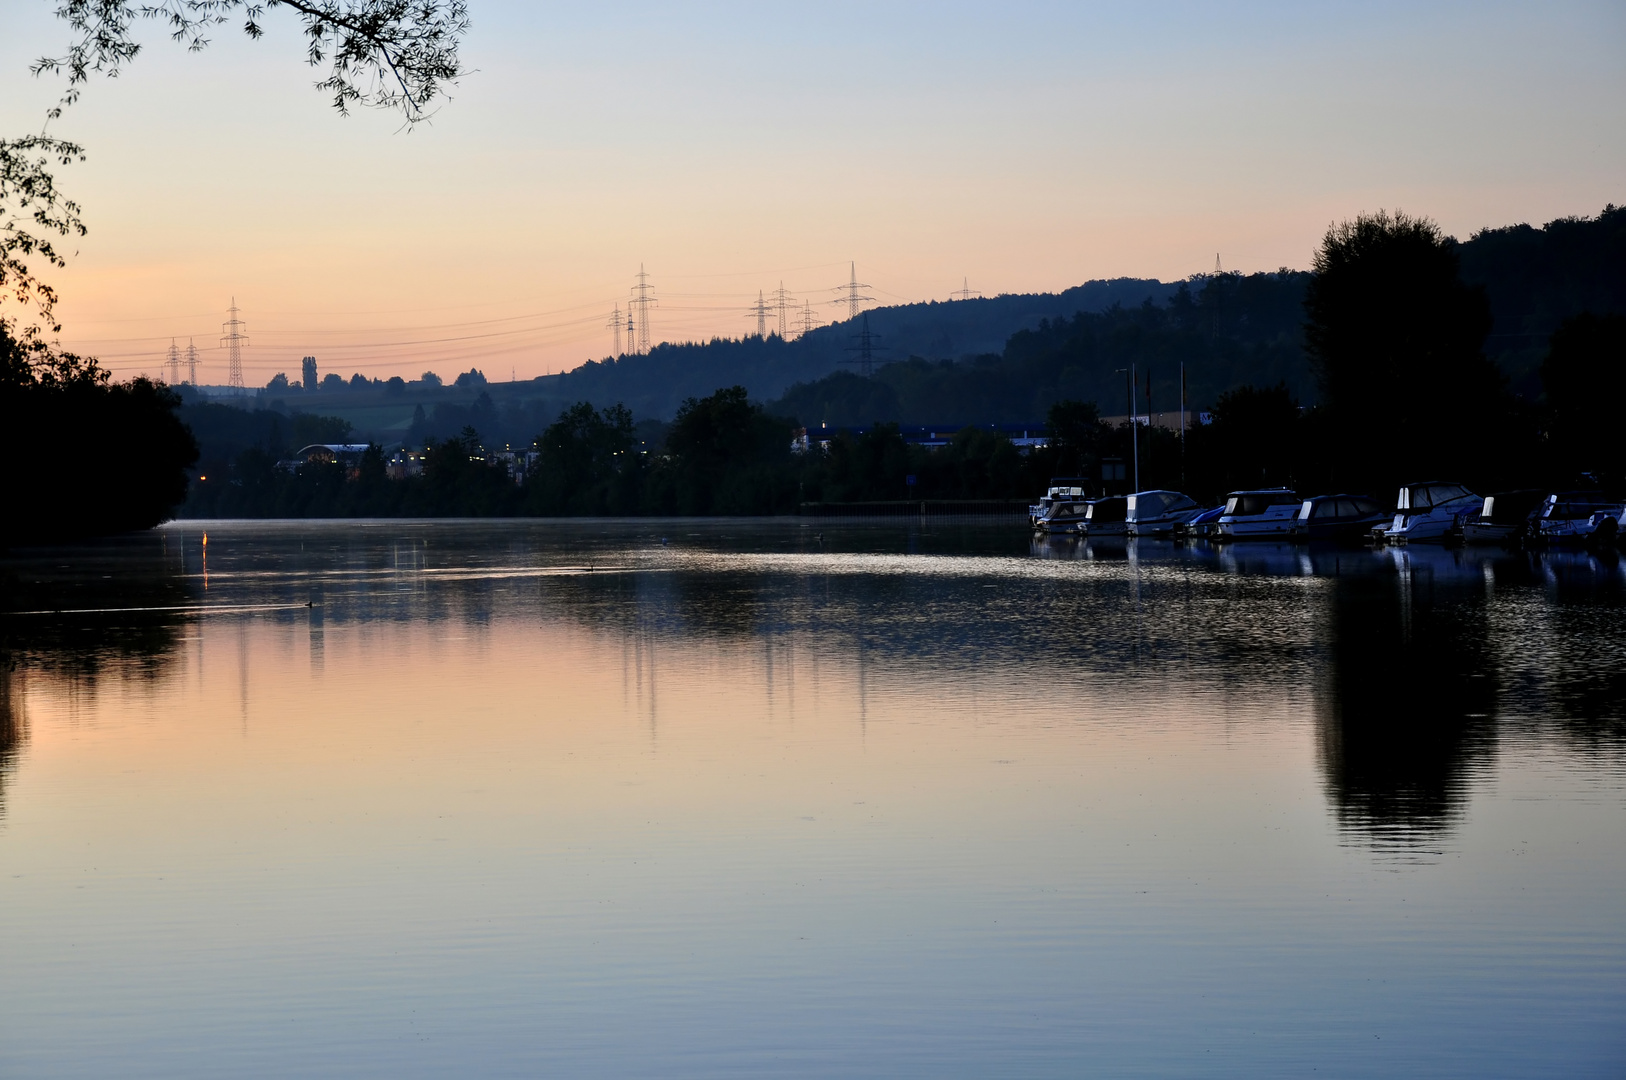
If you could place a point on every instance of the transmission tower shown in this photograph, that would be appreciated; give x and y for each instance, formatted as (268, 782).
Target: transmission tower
(965, 292)
(783, 300)
(173, 362)
(234, 339)
(615, 325)
(809, 320)
(1217, 270)
(639, 307)
(853, 297)
(865, 349)
(760, 309)
(191, 363)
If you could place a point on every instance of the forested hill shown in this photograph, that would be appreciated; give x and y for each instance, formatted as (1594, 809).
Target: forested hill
(1535, 278)
(1227, 330)
(656, 384)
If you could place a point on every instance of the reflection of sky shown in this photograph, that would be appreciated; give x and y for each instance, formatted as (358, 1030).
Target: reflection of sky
(762, 801)
(1025, 147)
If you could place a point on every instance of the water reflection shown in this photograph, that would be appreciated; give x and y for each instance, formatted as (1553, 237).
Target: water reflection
(1407, 707)
(13, 727)
(517, 798)
(1416, 657)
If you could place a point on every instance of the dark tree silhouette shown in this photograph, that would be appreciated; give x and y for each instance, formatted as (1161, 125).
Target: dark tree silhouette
(84, 456)
(1584, 376)
(1396, 339)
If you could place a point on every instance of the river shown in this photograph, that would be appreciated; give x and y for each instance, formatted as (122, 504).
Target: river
(676, 798)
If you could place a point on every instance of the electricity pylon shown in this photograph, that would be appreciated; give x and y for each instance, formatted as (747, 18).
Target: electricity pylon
(173, 362)
(234, 339)
(760, 310)
(853, 297)
(782, 300)
(965, 292)
(809, 320)
(615, 325)
(191, 363)
(640, 303)
(865, 349)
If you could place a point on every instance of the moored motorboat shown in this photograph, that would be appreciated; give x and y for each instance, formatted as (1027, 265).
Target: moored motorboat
(1431, 511)
(1200, 527)
(1338, 518)
(1156, 513)
(1504, 518)
(1106, 517)
(1578, 517)
(1261, 514)
(1061, 508)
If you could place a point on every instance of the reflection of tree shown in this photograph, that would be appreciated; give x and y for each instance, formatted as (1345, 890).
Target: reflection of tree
(13, 729)
(1406, 710)
(78, 610)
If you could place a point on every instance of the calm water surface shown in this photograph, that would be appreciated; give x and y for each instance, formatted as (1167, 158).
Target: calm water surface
(753, 798)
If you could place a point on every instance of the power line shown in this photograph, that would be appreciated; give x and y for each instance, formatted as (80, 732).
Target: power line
(234, 339)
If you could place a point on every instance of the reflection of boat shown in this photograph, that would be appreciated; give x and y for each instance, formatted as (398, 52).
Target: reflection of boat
(1156, 513)
(1338, 517)
(1578, 517)
(1430, 511)
(1503, 519)
(1062, 506)
(1265, 559)
(1106, 517)
(1054, 546)
(1266, 514)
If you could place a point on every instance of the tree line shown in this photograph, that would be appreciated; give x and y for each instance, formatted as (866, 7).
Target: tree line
(1396, 339)
(1395, 334)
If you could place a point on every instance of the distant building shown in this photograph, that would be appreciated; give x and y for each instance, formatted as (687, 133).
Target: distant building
(403, 464)
(307, 373)
(346, 454)
(519, 463)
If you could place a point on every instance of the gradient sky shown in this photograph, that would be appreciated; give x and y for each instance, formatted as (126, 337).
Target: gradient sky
(731, 147)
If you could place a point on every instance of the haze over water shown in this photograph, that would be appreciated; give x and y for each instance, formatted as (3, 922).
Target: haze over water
(668, 798)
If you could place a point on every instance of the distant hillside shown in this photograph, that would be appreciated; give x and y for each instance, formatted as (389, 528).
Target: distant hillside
(999, 359)
(655, 385)
(1228, 330)
(1538, 277)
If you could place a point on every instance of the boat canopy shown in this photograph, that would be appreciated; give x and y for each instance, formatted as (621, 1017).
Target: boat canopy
(1419, 498)
(1146, 505)
(1511, 507)
(1108, 511)
(1250, 503)
(1339, 507)
(1576, 505)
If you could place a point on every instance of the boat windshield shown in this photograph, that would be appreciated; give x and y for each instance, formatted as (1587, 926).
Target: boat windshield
(1107, 511)
(1249, 503)
(1573, 507)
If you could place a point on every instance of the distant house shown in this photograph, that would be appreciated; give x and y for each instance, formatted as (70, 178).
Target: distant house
(403, 464)
(519, 463)
(346, 454)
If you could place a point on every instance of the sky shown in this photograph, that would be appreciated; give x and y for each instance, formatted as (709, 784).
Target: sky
(728, 149)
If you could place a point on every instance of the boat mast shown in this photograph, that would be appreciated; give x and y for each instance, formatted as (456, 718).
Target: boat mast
(1134, 426)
